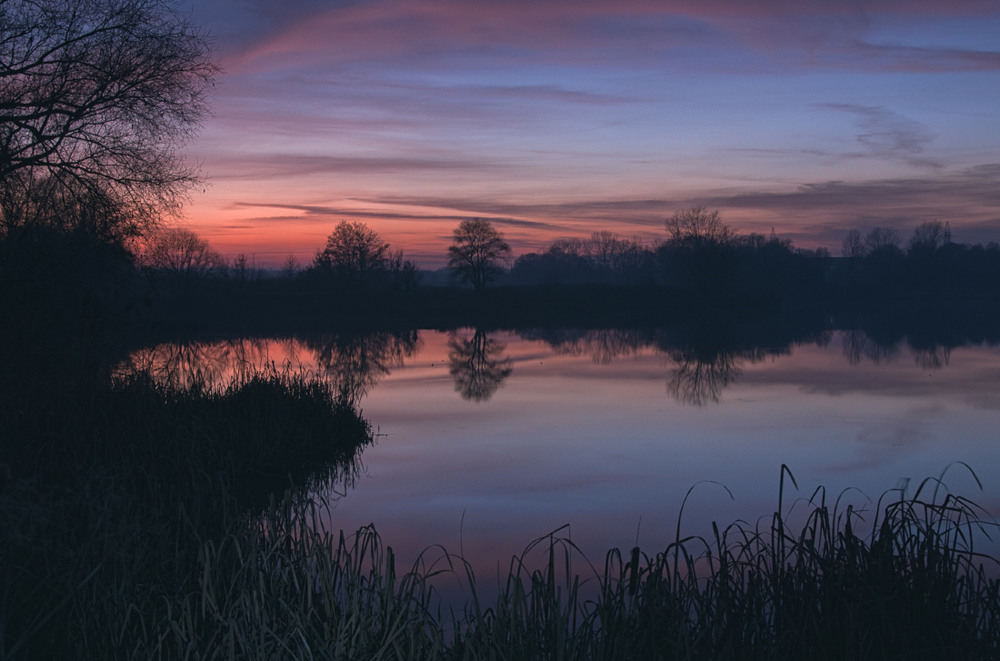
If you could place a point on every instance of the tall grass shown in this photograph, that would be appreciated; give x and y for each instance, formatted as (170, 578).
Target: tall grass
(143, 521)
(911, 587)
(113, 490)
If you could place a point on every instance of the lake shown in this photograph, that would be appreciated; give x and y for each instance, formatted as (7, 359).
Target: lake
(489, 440)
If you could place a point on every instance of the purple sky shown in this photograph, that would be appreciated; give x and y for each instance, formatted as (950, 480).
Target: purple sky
(558, 118)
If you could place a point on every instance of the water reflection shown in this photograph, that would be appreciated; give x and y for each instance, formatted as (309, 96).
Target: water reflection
(355, 363)
(860, 347)
(705, 361)
(477, 364)
(699, 380)
(209, 365)
(352, 364)
(701, 362)
(932, 358)
(604, 345)
(606, 428)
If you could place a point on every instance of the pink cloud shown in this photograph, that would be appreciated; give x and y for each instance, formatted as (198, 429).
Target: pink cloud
(828, 34)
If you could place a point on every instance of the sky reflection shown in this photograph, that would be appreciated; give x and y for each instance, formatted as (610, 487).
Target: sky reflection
(607, 445)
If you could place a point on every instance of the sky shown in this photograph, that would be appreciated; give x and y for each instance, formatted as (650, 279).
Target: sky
(558, 118)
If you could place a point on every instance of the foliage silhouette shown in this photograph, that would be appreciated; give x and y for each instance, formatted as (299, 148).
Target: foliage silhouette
(96, 98)
(181, 254)
(476, 253)
(356, 258)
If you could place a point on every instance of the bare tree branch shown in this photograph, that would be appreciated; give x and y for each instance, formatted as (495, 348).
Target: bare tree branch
(99, 96)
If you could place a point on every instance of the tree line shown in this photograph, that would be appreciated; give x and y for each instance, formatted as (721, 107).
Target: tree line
(98, 97)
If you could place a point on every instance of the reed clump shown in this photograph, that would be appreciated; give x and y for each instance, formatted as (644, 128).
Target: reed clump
(108, 493)
(157, 532)
(912, 586)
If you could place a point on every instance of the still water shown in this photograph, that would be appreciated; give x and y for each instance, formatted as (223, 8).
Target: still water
(490, 440)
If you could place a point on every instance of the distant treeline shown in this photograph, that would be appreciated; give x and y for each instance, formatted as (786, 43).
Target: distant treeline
(175, 278)
(702, 257)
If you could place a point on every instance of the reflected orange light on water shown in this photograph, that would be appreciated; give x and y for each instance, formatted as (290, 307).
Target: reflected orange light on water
(593, 431)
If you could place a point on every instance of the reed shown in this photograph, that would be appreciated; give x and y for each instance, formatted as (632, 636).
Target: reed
(112, 491)
(153, 536)
(912, 587)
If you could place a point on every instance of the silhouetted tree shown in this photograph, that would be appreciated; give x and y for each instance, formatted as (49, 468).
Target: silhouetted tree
(243, 270)
(853, 246)
(29, 201)
(928, 237)
(699, 255)
(884, 262)
(96, 97)
(181, 253)
(882, 239)
(562, 263)
(478, 365)
(614, 259)
(290, 267)
(354, 251)
(477, 251)
(873, 264)
(925, 261)
(357, 256)
(697, 227)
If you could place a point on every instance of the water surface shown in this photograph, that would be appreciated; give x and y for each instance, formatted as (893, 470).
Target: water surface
(490, 440)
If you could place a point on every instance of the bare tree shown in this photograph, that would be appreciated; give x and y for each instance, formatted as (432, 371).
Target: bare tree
(605, 249)
(477, 251)
(698, 227)
(244, 269)
(882, 239)
(853, 245)
(181, 252)
(354, 251)
(928, 237)
(96, 98)
(290, 267)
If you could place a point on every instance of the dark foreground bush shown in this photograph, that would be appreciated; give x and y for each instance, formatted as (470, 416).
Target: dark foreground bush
(108, 494)
(138, 521)
(280, 586)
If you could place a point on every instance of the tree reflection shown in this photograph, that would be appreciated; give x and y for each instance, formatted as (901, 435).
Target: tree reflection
(208, 365)
(709, 359)
(700, 379)
(355, 363)
(603, 345)
(931, 358)
(859, 346)
(477, 364)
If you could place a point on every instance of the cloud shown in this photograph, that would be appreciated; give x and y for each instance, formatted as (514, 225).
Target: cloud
(822, 212)
(443, 34)
(818, 213)
(566, 216)
(914, 59)
(977, 187)
(270, 166)
(886, 134)
(325, 213)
